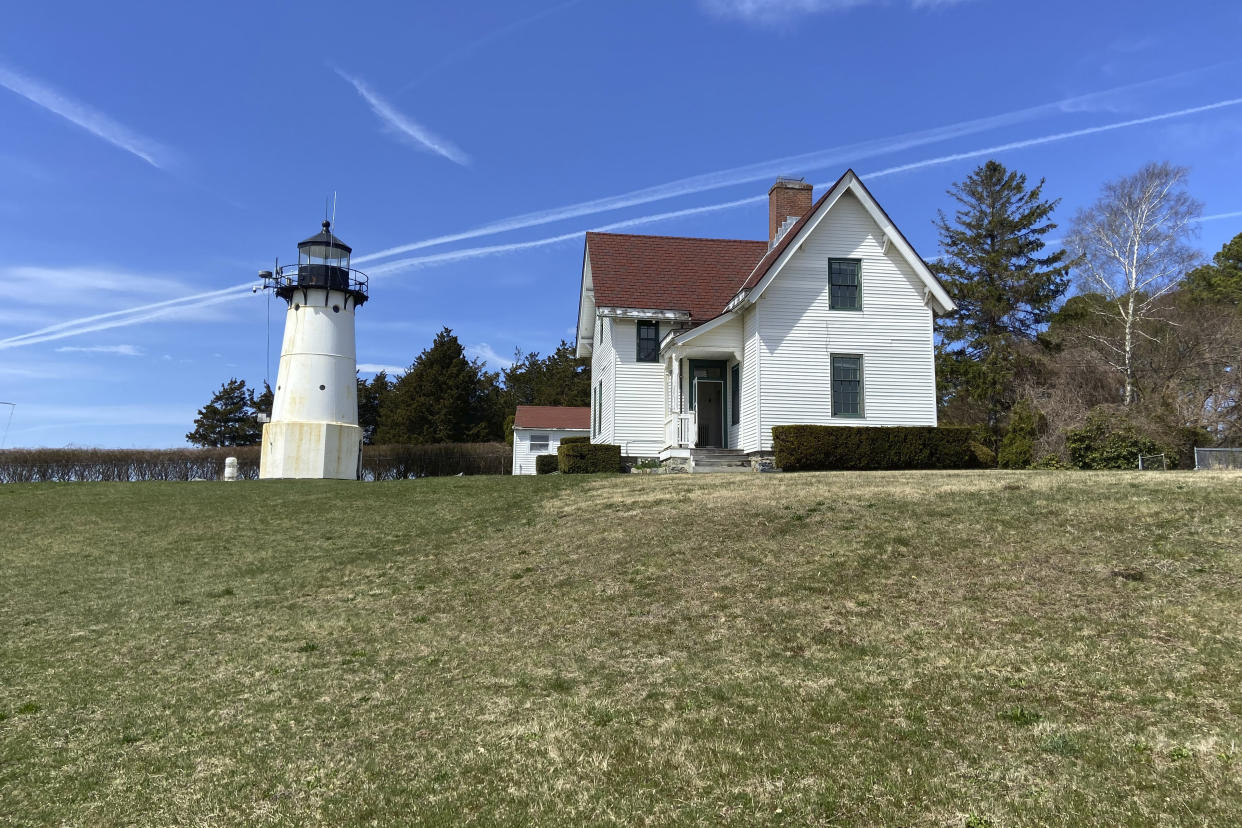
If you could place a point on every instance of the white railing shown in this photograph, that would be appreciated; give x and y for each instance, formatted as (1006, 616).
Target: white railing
(681, 430)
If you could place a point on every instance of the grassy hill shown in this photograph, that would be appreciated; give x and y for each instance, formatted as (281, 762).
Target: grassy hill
(825, 649)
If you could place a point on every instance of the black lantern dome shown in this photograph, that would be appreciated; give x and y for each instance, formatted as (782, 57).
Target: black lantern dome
(323, 262)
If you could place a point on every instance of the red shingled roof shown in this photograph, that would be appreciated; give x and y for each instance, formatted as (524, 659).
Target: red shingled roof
(553, 416)
(670, 273)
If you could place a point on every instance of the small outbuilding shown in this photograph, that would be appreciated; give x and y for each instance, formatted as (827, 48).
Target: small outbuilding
(539, 429)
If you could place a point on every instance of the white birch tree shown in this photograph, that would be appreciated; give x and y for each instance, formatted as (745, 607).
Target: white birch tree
(1132, 248)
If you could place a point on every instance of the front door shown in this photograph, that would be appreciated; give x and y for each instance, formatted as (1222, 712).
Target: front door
(710, 407)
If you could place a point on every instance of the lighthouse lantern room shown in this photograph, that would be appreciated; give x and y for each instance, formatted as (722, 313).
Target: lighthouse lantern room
(314, 430)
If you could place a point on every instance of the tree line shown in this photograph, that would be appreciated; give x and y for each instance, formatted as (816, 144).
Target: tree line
(1118, 340)
(443, 397)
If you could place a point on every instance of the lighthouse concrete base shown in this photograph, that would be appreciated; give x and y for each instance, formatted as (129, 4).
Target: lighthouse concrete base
(311, 450)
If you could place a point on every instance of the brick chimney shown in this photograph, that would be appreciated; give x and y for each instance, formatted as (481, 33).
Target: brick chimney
(788, 197)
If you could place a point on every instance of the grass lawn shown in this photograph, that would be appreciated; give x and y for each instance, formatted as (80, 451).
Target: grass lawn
(984, 649)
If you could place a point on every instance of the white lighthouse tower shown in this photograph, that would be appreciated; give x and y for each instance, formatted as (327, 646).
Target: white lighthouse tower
(314, 429)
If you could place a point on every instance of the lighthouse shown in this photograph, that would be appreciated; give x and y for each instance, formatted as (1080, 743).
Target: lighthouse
(313, 432)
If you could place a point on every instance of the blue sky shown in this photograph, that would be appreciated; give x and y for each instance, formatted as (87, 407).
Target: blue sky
(152, 152)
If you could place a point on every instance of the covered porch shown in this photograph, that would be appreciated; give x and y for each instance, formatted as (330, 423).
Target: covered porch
(701, 375)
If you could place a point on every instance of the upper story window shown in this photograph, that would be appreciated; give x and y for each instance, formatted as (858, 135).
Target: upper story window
(538, 442)
(845, 284)
(648, 341)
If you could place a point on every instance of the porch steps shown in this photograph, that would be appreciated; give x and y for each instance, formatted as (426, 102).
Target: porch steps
(718, 461)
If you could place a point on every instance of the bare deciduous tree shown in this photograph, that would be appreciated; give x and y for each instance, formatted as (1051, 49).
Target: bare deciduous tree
(1132, 248)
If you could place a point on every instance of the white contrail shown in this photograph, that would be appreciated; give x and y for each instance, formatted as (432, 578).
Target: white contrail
(1215, 216)
(119, 323)
(764, 170)
(128, 316)
(1048, 139)
(89, 119)
(475, 252)
(421, 136)
(165, 303)
(388, 268)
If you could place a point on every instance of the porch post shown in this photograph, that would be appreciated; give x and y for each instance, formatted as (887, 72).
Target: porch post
(677, 401)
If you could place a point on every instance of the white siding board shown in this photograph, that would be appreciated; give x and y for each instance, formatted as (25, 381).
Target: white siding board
(638, 410)
(751, 368)
(797, 333)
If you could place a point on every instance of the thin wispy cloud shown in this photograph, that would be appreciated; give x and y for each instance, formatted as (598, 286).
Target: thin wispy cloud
(119, 350)
(485, 353)
(765, 170)
(463, 52)
(86, 117)
(777, 12)
(403, 125)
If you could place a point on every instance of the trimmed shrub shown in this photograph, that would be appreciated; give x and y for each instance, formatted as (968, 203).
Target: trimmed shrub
(588, 458)
(831, 448)
(547, 463)
(396, 462)
(1017, 450)
(573, 441)
(985, 457)
(1110, 440)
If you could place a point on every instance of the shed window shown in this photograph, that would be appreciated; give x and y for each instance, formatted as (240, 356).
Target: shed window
(648, 341)
(847, 385)
(735, 395)
(844, 284)
(538, 442)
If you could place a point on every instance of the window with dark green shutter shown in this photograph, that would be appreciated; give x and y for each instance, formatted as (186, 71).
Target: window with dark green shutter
(648, 341)
(847, 385)
(845, 284)
(735, 395)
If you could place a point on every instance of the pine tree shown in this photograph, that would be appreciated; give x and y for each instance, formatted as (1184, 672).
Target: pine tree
(442, 398)
(1219, 283)
(560, 378)
(1005, 286)
(228, 419)
(262, 404)
(371, 397)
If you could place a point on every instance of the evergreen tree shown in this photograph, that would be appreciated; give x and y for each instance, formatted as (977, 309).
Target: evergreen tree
(442, 398)
(228, 419)
(1219, 283)
(1005, 286)
(560, 378)
(262, 404)
(371, 397)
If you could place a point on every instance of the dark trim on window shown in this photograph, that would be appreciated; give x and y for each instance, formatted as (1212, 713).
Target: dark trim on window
(648, 349)
(847, 383)
(735, 395)
(845, 284)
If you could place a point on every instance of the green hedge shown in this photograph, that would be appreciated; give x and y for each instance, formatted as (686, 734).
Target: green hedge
(588, 458)
(820, 448)
(546, 463)
(573, 441)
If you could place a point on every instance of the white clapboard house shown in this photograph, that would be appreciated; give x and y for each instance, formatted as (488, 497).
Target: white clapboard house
(700, 346)
(539, 429)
